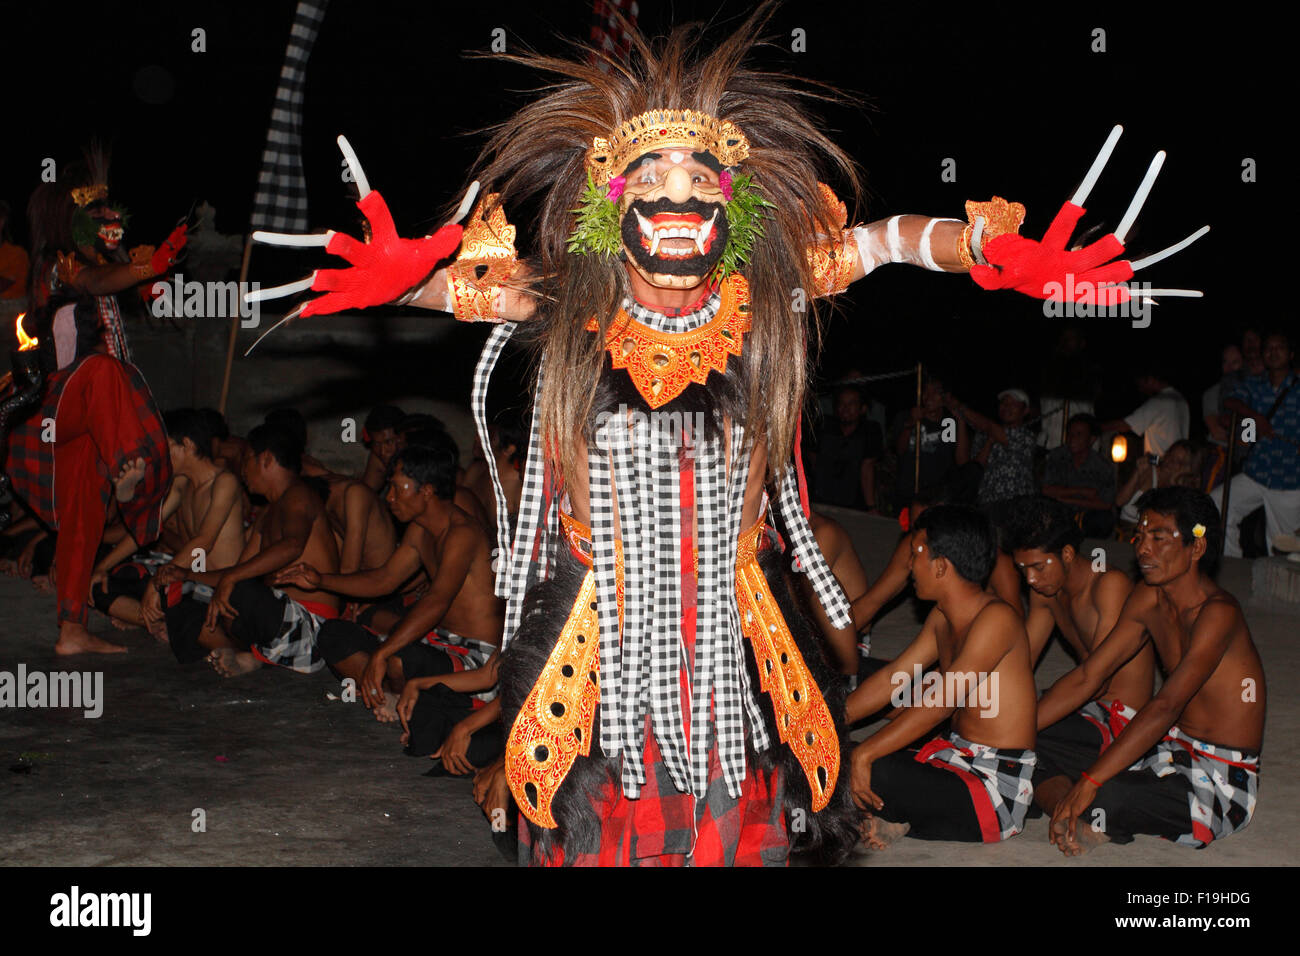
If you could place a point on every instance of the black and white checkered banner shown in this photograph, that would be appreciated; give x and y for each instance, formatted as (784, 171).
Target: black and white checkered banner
(612, 21)
(280, 203)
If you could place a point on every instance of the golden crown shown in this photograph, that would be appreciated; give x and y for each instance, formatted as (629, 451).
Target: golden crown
(665, 129)
(85, 195)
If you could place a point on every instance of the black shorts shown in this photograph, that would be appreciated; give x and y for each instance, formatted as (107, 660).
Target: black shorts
(437, 710)
(341, 639)
(936, 802)
(1067, 748)
(184, 621)
(128, 579)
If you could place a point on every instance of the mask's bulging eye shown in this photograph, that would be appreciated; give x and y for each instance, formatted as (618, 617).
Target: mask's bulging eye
(648, 173)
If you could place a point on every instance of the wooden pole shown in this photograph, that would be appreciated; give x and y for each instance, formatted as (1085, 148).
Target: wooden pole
(1065, 419)
(1227, 483)
(916, 474)
(234, 325)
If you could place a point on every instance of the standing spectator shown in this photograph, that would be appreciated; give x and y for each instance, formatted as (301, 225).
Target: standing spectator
(1216, 416)
(1177, 467)
(1161, 420)
(940, 459)
(1079, 476)
(1067, 387)
(873, 409)
(1006, 448)
(1252, 353)
(847, 452)
(1271, 476)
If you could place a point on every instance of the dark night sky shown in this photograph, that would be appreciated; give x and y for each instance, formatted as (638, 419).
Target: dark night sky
(1011, 92)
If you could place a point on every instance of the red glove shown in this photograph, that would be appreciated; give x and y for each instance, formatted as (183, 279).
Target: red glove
(384, 268)
(1046, 270)
(169, 251)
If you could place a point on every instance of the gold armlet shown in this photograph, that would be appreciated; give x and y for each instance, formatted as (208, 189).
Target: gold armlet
(486, 262)
(832, 260)
(987, 220)
(963, 249)
(832, 264)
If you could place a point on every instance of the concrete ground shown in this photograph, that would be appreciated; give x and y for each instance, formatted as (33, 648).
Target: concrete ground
(284, 775)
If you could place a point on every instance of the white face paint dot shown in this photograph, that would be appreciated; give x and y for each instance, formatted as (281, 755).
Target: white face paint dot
(1048, 561)
(676, 157)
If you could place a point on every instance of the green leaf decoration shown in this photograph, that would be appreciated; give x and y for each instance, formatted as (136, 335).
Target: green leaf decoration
(745, 217)
(597, 226)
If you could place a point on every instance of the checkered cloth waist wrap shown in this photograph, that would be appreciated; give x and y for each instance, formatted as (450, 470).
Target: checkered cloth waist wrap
(640, 459)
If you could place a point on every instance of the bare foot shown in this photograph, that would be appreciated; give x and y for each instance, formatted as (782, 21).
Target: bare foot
(386, 713)
(229, 662)
(159, 630)
(75, 639)
(878, 834)
(130, 476)
(43, 584)
(122, 625)
(1086, 837)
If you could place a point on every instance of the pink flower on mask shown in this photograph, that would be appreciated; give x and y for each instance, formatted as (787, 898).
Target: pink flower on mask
(616, 184)
(724, 183)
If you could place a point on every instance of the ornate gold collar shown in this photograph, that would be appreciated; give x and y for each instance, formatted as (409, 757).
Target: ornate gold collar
(662, 364)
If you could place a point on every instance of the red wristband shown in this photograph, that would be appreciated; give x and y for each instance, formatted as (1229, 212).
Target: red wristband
(1090, 780)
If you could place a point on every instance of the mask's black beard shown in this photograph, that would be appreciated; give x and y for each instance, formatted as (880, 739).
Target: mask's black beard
(692, 265)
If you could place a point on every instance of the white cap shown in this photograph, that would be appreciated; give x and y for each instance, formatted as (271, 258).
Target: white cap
(1018, 394)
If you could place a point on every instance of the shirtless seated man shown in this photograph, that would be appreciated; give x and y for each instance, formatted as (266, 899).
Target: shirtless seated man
(509, 440)
(974, 784)
(247, 621)
(362, 527)
(1068, 592)
(1162, 775)
(452, 633)
(361, 524)
(837, 548)
(1004, 581)
(429, 432)
(205, 505)
(380, 437)
(227, 450)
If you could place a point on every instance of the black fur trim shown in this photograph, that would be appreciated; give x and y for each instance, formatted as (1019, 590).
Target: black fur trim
(829, 836)
(546, 608)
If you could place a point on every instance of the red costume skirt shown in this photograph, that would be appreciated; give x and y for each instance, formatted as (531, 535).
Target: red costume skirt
(97, 415)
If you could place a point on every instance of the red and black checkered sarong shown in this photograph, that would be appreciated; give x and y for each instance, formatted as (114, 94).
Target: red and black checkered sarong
(664, 827)
(95, 417)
